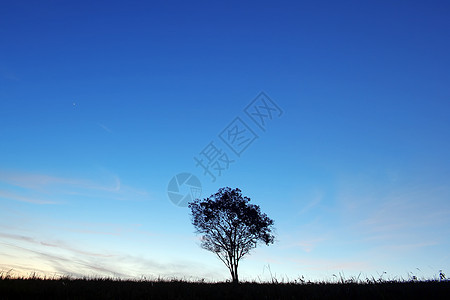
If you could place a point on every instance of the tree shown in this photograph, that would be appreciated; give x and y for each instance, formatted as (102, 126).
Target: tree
(230, 226)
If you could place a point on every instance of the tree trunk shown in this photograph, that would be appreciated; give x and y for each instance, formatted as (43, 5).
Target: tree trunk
(234, 273)
(236, 277)
(233, 277)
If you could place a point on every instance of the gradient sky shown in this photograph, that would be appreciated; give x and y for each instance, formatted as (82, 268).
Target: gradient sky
(102, 103)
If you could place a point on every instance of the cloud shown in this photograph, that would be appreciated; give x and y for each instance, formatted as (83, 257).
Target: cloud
(67, 263)
(319, 264)
(107, 229)
(35, 187)
(313, 203)
(395, 219)
(53, 244)
(405, 215)
(86, 264)
(105, 128)
(38, 181)
(21, 198)
(308, 245)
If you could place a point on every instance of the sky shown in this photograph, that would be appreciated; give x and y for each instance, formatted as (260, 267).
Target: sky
(332, 116)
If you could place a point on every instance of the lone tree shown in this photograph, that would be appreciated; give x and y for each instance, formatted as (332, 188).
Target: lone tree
(230, 226)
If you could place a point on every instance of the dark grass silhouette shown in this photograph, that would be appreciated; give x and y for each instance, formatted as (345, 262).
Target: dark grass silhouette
(106, 288)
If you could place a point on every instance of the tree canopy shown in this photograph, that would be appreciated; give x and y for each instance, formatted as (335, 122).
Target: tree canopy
(230, 226)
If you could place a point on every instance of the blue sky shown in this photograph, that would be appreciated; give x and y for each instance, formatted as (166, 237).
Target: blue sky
(101, 104)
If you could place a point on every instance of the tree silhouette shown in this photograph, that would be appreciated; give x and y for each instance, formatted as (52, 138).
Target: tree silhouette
(230, 226)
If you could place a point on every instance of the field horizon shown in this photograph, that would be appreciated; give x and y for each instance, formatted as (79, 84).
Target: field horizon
(68, 287)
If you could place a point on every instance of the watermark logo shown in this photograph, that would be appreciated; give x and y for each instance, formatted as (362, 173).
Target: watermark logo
(219, 154)
(262, 110)
(213, 160)
(183, 188)
(238, 136)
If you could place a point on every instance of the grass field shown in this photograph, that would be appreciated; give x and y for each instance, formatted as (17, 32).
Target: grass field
(70, 288)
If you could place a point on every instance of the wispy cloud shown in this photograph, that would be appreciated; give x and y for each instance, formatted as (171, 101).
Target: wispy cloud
(82, 264)
(319, 264)
(106, 229)
(317, 198)
(42, 188)
(38, 181)
(105, 128)
(396, 217)
(53, 244)
(21, 198)
(78, 265)
(308, 245)
(35, 181)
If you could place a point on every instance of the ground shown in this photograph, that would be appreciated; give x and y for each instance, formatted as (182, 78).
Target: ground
(66, 288)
